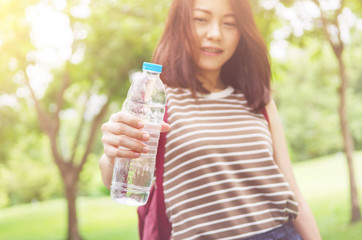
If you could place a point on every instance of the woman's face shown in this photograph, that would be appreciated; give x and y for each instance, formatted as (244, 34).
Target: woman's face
(218, 36)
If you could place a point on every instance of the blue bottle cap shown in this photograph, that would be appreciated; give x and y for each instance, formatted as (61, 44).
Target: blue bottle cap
(152, 67)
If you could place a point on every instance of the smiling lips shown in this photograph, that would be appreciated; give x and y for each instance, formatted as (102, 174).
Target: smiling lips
(211, 51)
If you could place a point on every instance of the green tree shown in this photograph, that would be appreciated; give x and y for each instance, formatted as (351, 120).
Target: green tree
(99, 44)
(332, 29)
(328, 22)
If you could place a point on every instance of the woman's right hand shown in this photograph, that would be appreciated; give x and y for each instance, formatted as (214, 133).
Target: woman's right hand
(123, 136)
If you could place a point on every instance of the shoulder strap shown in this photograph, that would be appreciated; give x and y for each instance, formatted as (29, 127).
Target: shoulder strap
(265, 113)
(164, 225)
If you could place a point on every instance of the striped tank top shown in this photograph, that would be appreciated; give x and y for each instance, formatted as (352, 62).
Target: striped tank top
(220, 178)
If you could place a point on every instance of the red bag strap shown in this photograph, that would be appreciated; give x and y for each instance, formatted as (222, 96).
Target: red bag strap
(265, 113)
(164, 225)
(153, 223)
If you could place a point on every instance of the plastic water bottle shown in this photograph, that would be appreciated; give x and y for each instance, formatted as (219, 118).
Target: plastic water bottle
(146, 99)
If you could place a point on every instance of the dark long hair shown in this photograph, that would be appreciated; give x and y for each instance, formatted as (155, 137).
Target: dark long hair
(248, 70)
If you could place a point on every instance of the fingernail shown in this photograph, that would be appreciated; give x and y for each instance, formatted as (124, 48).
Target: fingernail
(145, 149)
(137, 155)
(140, 124)
(146, 136)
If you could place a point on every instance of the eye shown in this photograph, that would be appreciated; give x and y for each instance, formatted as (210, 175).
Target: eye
(230, 24)
(200, 19)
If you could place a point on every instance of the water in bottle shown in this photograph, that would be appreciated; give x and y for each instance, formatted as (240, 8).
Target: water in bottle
(146, 99)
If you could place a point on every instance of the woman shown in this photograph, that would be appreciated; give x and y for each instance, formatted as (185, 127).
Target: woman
(227, 173)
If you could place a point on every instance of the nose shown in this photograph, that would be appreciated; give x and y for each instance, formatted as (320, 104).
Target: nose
(214, 32)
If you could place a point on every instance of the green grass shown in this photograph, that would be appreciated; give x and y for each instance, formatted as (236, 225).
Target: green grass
(99, 218)
(324, 183)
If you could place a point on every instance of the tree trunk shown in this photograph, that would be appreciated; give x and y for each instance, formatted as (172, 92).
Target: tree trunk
(348, 141)
(70, 178)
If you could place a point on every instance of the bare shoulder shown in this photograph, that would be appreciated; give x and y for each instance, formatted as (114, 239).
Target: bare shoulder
(272, 111)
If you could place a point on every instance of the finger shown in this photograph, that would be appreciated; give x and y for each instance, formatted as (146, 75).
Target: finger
(123, 129)
(165, 127)
(124, 143)
(129, 119)
(112, 152)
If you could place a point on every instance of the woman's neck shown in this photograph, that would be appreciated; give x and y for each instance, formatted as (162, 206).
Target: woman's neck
(211, 81)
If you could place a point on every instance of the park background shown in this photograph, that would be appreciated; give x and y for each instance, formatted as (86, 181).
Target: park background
(65, 67)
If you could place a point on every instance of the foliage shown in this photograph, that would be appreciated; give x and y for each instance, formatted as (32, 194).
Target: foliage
(114, 39)
(117, 37)
(309, 116)
(306, 78)
(354, 97)
(31, 179)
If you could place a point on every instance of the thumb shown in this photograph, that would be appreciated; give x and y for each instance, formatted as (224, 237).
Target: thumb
(165, 127)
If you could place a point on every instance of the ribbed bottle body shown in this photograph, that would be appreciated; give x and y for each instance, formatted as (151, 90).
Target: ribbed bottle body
(132, 178)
